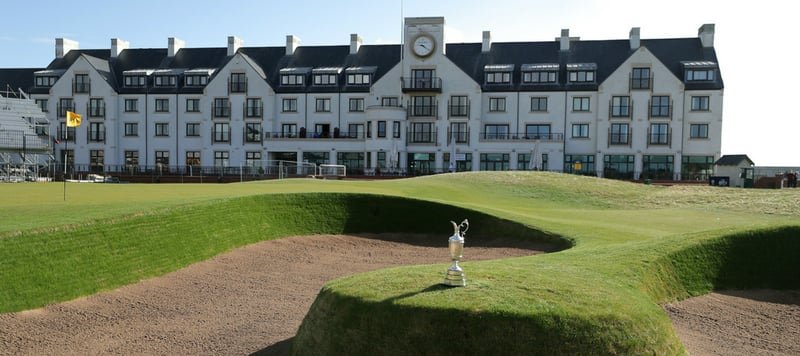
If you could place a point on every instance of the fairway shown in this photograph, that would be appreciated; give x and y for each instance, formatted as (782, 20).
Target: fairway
(633, 247)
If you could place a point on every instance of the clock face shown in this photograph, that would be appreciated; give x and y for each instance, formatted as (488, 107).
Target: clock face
(423, 46)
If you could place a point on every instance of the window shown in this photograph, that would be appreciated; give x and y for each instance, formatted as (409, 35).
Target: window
(524, 162)
(42, 104)
(238, 83)
(131, 129)
(192, 158)
(132, 158)
(580, 103)
(640, 78)
(65, 132)
(252, 132)
(698, 168)
(162, 158)
(498, 78)
(96, 160)
(317, 157)
(97, 107)
(390, 101)
(165, 81)
(97, 132)
(356, 104)
(222, 108)
(222, 132)
(698, 131)
(355, 131)
(396, 129)
(458, 130)
(700, 75)
(581, 76)
(579, 164)
(657, 167)
(221, 158)
(381, 128)
(131, 105)
(289, 105)
(423, 79)
(539, 77)
(195, 80)
(81, 84)
(537, 132)
(618, 166)
(495, 161)
(252, 158)
(699, 103)
(323, 105)
(289, 130)
(162, 105)
(539, 104)
(192, 105)
(659, 134)
(580, 130)
(496, 132)
(358, 79)
(659, 106)
(621, 106)
(192, 129)
(322, 130)
(64, 105)
(354, 161)
(619, 134)
(369, 129)
(459, 106)
(45, 81)
(254, 107)
(497, 104)
(422, 132)
(293, 79)
(423, 106)
(324, 79)
(162, 129)
(135, 81)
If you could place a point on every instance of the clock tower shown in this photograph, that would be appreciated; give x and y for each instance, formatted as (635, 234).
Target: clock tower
(424, 38)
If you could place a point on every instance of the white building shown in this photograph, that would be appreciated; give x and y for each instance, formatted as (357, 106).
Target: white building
(631, 109)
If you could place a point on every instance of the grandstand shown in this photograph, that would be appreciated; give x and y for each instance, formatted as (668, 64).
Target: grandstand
(25, 145)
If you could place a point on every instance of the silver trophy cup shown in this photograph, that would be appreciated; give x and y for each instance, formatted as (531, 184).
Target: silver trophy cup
(455, 275)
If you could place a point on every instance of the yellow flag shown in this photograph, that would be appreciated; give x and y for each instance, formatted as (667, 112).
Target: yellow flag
(73, 119)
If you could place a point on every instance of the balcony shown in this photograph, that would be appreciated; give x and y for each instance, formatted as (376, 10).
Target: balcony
(658, 138)
(458, 110)
(619, 138)
(660, 111)
(422, 111)
(411, 84)
(95, 136)
(98, 110)
(314, 136)
(421, 137)
(620, 111)
(254, 110)
(221, 110)
(521, 136)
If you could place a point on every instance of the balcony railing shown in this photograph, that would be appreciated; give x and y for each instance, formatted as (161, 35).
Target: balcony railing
(254, 110)
(237, 86)
(510, 136)
(81, 88)
(658, 138)
(641, 83)
(62, 110)
(458, 110)
(432, 84)
(620, 110)
(660, 111)
(314, 136)
(221, 111)
(619, 138)
(95, 136)
(460, 136)
(422, 111)
(66, 135)
(97, 110)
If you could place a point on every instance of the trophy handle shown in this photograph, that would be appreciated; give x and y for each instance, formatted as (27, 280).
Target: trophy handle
(464, 223)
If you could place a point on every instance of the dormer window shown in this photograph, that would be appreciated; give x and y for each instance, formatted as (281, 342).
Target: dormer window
(326, 76)
(197, 77)
(295, 76)
(581, 72)
(359, 75)
(542, 73)
(47, 78)
(165, 81)
(136, 78)
(700, 71)
(498, 73)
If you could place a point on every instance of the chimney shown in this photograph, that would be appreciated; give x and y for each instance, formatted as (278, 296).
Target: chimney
(117, 46)
(635, 39)
(564, 39)
(292, 42)
(234, 43)
(63, 46)
(175, 45)
(355, 43)
(706, 34)
(487, 42)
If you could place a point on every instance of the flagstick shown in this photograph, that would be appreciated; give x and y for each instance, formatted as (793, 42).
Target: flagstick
(65, 166)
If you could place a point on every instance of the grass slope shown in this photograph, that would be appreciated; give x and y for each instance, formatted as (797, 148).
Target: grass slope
(634, 246)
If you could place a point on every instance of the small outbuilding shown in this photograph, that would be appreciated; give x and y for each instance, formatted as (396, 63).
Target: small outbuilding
(733, 171)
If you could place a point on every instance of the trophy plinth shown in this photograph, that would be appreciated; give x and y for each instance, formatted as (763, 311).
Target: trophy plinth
(455, 275)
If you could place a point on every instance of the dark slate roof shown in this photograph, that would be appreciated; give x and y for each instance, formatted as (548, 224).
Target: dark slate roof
(15, 79)
(733, 160)
(608, 55)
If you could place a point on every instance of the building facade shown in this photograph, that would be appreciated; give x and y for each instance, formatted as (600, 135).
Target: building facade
(629, 109)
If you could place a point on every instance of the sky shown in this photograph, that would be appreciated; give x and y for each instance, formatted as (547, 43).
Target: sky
(751, 38)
